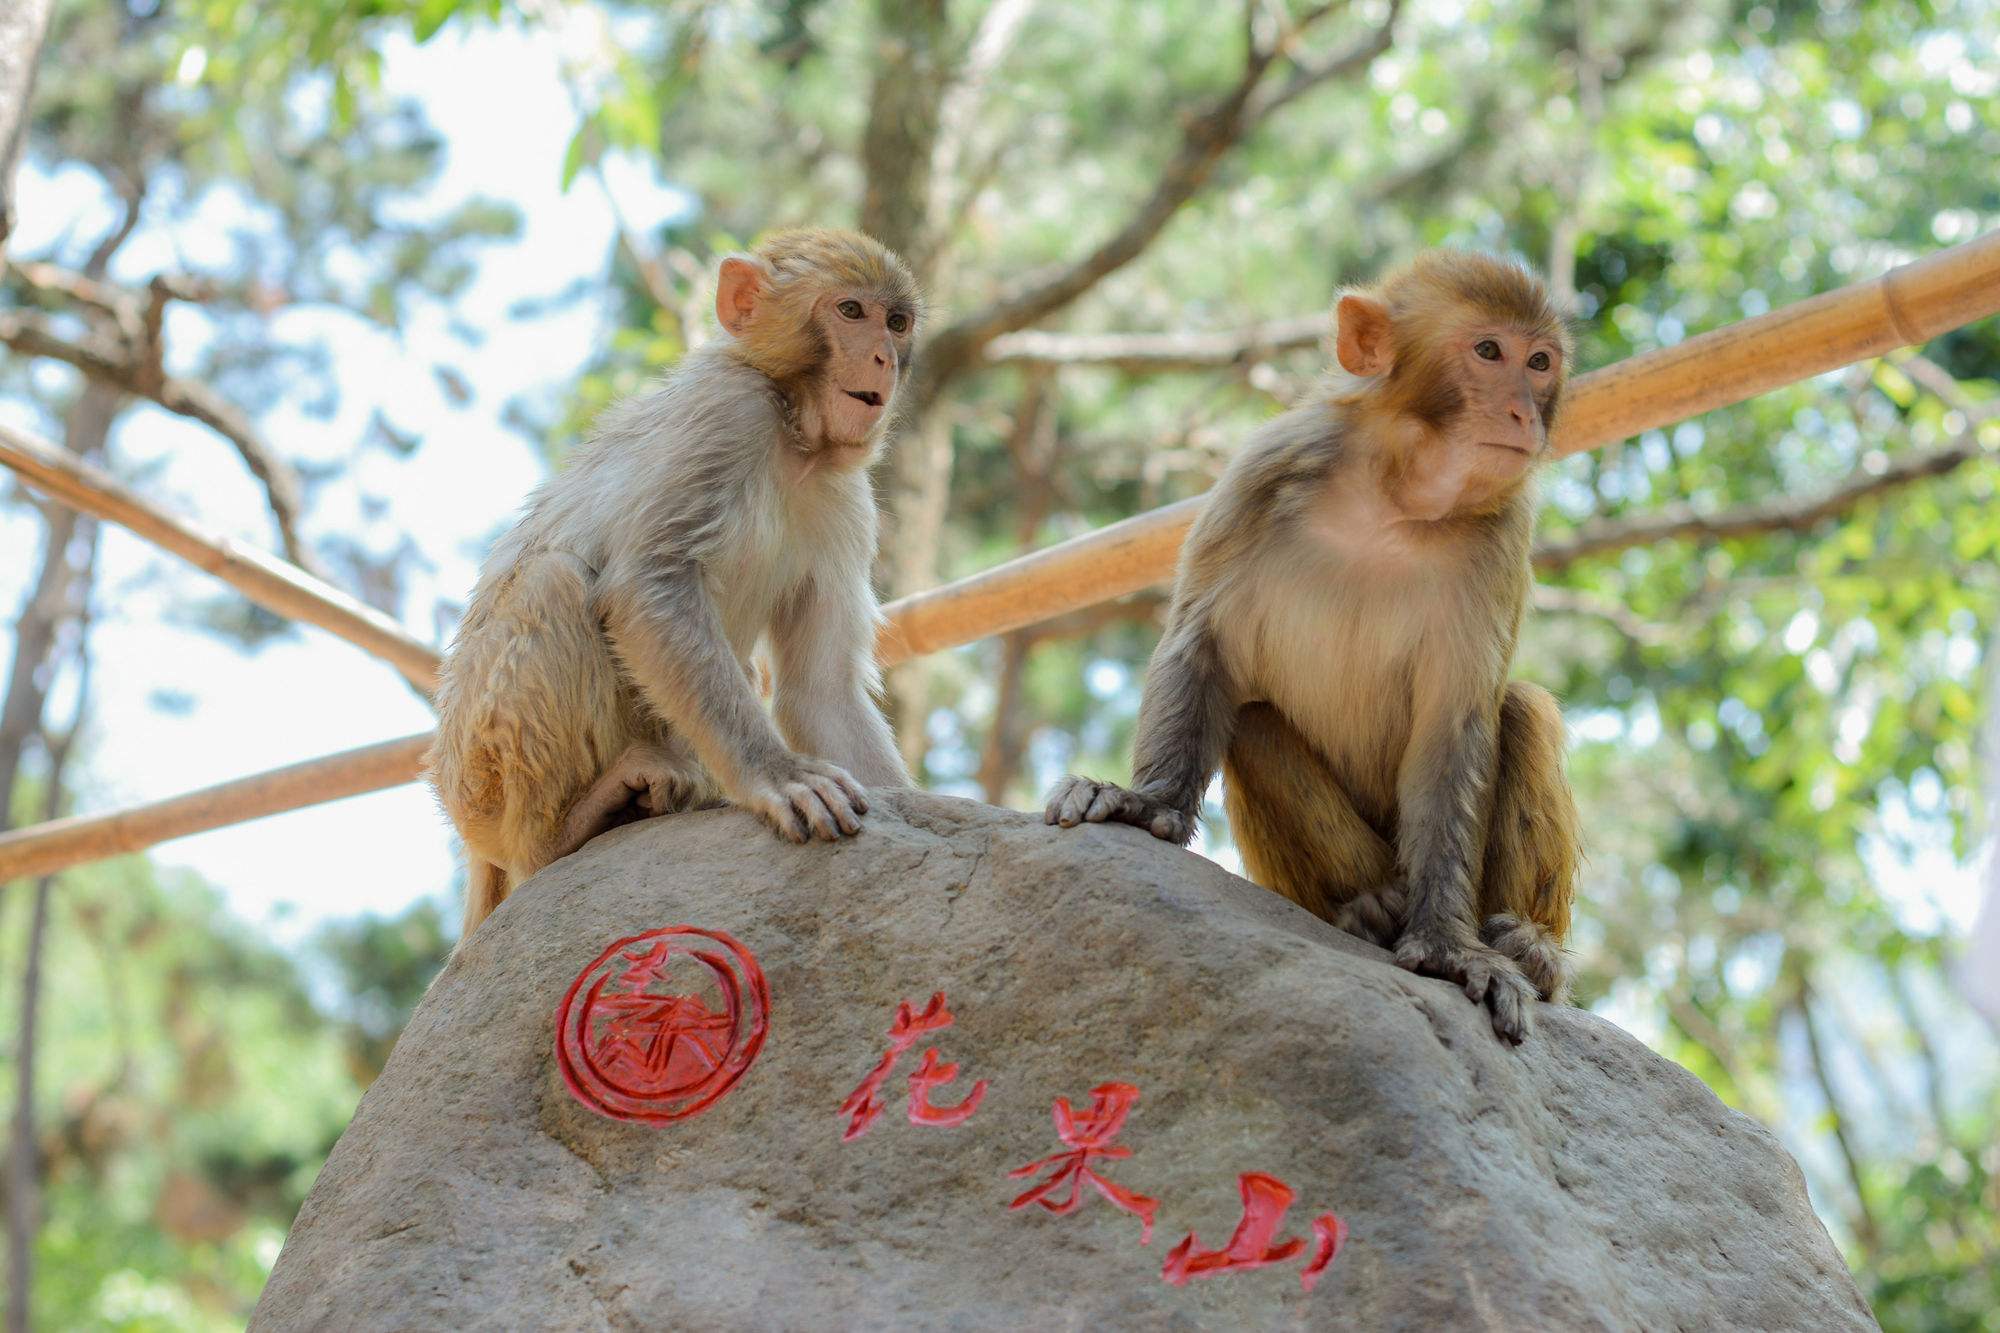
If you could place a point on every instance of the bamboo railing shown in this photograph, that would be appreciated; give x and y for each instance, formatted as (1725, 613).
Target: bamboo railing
(1910, 304)
(278, 586)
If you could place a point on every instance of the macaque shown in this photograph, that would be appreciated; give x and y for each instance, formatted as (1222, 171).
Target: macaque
(602, 671)
(1343, 619)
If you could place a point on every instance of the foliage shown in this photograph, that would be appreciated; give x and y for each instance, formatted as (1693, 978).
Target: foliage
(189, 1091)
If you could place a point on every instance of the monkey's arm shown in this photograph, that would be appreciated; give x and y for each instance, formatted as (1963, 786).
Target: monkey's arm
(668, 637)
(823, 643)
(1185, 720)
(1444, 794)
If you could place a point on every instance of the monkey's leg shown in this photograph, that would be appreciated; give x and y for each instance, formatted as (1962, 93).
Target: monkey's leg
(533, 710)
(1532, 843)
(649, 779)
(1299, 832)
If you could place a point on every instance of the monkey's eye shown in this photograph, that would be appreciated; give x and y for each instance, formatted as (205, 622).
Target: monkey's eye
(850, 309)
(1488, 349)
(1539, 361)
(898, 322)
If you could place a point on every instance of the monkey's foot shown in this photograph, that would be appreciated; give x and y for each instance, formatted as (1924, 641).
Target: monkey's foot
(808, 798)
(1486, 975)
(1085, 801)
(644, 781)
(1535, 948)
(1375, 917)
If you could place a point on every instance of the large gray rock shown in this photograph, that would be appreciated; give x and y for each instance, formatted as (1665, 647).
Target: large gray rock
(1579, 1181)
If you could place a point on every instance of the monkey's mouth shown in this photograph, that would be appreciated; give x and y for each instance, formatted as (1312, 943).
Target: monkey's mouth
(1510, 448)
(868, 396)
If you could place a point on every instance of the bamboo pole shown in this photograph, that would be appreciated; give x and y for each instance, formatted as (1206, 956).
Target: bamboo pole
(43, 849)
(1910, 304)
(278, 586)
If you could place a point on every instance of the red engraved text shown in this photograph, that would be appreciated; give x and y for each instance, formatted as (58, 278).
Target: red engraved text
(934, 1075)
(662, 1025)
(1265, 1199)
(864, 1104)
(1089, 1134)
(1330, 1233)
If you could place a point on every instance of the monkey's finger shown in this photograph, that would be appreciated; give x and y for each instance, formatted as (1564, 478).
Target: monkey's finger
(778, 813)
(1478, 980)
(809, 804)
(1074, 802)
(834, 795)
(1509, 1002)
(1109, 803)
(856, 794)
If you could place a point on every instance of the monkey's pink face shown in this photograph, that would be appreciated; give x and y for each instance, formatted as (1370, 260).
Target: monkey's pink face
(1510, 381)
(867, 344)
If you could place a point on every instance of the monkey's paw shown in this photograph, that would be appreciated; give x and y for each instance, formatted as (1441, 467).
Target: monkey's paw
(644, 781)
(809, 798)
(1375, 917)
(1487, 976)
(1085, 801)
(1535, 948)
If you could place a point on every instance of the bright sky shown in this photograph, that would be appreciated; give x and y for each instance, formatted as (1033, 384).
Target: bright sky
(497, 102)
(496, 99)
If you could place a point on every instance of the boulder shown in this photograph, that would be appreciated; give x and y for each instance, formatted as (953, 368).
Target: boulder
(1229, 1066)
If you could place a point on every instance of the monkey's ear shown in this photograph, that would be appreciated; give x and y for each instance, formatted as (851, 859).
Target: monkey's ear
(1366, 342)
(738, 289)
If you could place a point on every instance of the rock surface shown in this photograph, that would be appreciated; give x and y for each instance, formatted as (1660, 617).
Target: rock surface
(1579, 1181)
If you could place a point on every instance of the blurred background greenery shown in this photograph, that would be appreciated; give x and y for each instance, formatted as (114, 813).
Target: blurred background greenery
(1775, 732)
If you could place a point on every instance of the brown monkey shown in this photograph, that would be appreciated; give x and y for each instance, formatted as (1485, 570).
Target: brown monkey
(1343, 619)
(602, 669)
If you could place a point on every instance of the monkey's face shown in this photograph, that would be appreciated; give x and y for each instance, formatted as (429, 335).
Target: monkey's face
(867, 343)
(1511, 378)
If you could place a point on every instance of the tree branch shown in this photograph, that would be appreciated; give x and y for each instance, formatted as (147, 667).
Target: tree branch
(1350, 59)
(1576, 602)
(1869, 1232)
(1160, 353)
(1207, 136)
(1748, 520)
(138, 375)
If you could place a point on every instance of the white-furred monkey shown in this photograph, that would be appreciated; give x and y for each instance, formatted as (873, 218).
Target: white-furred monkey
(602, 669)
(1344, 615)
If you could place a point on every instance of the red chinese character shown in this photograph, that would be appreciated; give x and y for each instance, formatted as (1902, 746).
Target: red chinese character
(864, 1104)
(660, 1035)
(1089, 1134)
(1332, 1234)
(1265, 1199)
(934, 1075)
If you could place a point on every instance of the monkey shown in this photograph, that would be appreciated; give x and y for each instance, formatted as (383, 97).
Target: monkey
(602, 670)
(1344, 615)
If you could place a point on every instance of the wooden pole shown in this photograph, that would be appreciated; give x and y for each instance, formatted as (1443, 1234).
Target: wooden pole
(43, 849)
(276, 585)
(1910, 304)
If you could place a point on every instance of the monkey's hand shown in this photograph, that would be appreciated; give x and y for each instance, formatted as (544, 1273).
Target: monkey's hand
(1487, 976)
(806, 798)
(646, 780)
(1085, 801)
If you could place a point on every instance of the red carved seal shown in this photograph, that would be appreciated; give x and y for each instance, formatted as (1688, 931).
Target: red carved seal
(662, 1025)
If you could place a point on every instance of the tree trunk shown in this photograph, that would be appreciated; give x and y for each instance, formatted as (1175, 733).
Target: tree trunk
(52, 602)
(24, 25)
(23, 1164)
(914, 64)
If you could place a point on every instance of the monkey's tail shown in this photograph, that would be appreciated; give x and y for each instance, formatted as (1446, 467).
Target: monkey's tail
(485, 887)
